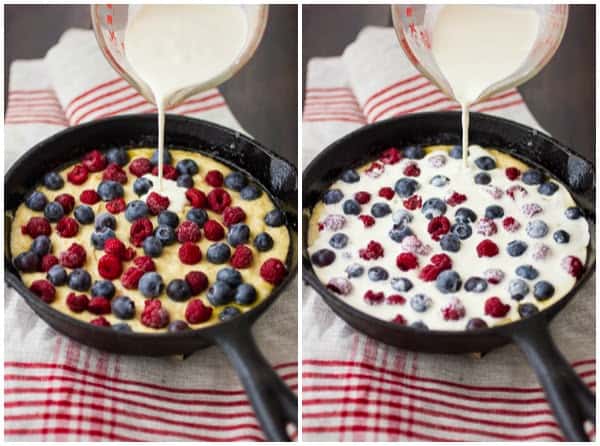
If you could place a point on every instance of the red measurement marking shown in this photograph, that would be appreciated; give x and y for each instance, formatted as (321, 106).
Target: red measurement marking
(408, 11)
(109, 19)
(413, 29)
(112, 35)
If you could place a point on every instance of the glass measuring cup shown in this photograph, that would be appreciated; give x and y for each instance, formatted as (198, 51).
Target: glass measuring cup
(413, 25)
(110, 22)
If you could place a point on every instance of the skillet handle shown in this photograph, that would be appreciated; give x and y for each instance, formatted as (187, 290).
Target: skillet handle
(274, 403)
(570, 399)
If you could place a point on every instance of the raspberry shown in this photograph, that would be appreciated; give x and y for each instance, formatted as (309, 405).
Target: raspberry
(407, 261)
(399, 319)
(67, 227)
(77, 302)
(441, 261)
(429, 273)
(214, 178)
(242, 257)
(362, 197)
(273, 271)
(89, 196)
(512, 173)
(486, 226)
(78, 174)
(487, 248)
(233, 215)
(456, 199)
(494, 191)
(154, 315)
(375, 170)
(373, 251)
(395, 299)
(367, 220)
(573, 266)
(531, 209)
(48, 261)
(94, 161)
(510, 224)
(197, 281)
(169, 172)
(413, 202)
(36, 226)
(139, 230)
(189, 253)
(373, 298)
(44, 290)
(495, 308)
(453, 310)
(437, 160)
(412, 244)
(339, 285)
(412, 170)
(67, 201)
(109, 266)
(196, 197)
(73, 257)
(213, 231)
(157, 203)
(334, 222)
(196, 312)
(99, 305)
(390, 156)
(115, 247)
(493, 276)
(117, 205)
(116, 173)
(128, 254)
(218, 200)
(438, 226)
(100, 322)
(131, 277)
(540, 251)
(386, 192)
(145, 263)
(188, 231)
(140, 166)
(516, 192)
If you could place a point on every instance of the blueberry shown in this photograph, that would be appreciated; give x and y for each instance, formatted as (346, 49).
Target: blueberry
(516, 248)
(399, 232)
(476, 285)
(456, 152)
(401, 284)
(275, 218)
(450, 243)
(322, 257)
(379, 210)
(220, 293)
(250, 192)
(136, 209)
(518, 289)
(179, 290)
(230, 276)
(151, 284)
(485, 163)
(351, 207)
(245, 294)
(109, 190)
(573, 213)
(532, 177)
(185, 181)
(142, 185)
(177, 326)
(448, 282)
(561, 236)
(166, 157)
(152, 246)
(100, 237)
(239, 234)
(218, 253)
(439, 181)
(188, 167)
(433, 207)
(235, 181)
(527, 310)
(482, 178)
(465, 215)
(53, 181)
(338, 240)
(168, 218)
(27, 261)
(548, 188)
(57, 275)
(414, 152)
(105, 220)
(354, 270)
(263, 242)
(123, 307)
(527, 272)
(476, 324)
(494, 211)
(79, 280)
(229, 313)
(84, 214)
(36, 201)
(104, 288)
(420, 303)
(117, 156)
(405, 187)
(41, 245)
(401, 217)
(350, 176)
(121, 327)
(536, 229)
(543, 290)
(197, 215)
(462, 230)
(165, 234)
(419, 325)
(377, 273)
(54, 211)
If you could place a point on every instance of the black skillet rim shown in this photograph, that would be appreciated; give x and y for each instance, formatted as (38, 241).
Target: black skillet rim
(498, 330)
(206, 332)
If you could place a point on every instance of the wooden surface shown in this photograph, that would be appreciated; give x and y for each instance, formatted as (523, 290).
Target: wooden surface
(561, 97)
(263, 95)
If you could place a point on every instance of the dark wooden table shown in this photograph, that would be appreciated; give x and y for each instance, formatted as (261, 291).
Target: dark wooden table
(263, 95)
(561, 97)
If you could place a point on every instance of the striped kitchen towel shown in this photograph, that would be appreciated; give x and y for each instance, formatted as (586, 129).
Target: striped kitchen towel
(59, 390)
(357, 389)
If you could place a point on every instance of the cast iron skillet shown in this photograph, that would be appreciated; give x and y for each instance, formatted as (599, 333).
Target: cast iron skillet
(570, 399)
(275, 405)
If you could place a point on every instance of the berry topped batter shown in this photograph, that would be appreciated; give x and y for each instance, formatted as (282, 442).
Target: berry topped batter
(417, 238)
(102, 242)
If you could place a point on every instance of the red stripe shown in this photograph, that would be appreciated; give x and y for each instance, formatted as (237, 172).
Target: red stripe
(34, 115)
(92, 90)
(336, 96)
(404, 102)
(110, 104)
(498, 107)
(97, 98)
(390, 87)
(34, 121)
(333, 119)
(323, 102)
(328, 89)
(203, 109)
(200, 100)
(583, 362)
(65, 430)
(22, 102)
(329, 107)
(123, 109)
(397, 95)
(333, 113)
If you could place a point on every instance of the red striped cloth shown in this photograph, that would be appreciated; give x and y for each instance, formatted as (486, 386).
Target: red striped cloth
(59, 390)
(357, 389)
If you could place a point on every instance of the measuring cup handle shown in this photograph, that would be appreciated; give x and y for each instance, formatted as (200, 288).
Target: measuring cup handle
(570, 399)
